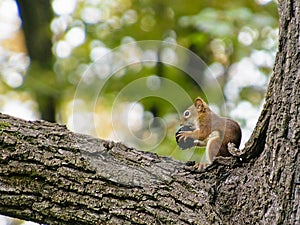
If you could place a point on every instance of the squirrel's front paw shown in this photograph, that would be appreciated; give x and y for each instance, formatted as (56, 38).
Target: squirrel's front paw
(183, 137)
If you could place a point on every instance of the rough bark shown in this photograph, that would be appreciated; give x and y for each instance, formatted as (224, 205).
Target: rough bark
(54, 176)
(269, 187)
(51, 175)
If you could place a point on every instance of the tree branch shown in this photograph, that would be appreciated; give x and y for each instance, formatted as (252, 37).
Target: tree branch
(51, 175)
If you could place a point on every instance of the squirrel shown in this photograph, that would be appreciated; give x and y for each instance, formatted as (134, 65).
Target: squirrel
(209, 129)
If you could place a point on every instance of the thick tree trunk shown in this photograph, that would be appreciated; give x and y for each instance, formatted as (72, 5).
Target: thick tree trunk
(54, 176)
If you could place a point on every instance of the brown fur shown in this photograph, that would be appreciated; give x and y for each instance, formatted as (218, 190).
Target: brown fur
(204, 121)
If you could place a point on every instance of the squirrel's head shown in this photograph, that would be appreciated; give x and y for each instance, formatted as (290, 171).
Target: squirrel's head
(190, 116)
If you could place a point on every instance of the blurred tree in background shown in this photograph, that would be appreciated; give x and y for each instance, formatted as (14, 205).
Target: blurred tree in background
(236, 39)
(40, 81)
(42, 64)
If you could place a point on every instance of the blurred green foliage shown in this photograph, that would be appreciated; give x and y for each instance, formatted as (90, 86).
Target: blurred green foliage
(237, 41)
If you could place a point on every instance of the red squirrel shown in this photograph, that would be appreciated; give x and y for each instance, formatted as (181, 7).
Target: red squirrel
(209, 129)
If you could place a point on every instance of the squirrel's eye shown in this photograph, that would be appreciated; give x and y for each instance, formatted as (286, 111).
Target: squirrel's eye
(186, 113)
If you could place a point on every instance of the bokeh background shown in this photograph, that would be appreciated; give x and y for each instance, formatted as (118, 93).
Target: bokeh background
(63, 42)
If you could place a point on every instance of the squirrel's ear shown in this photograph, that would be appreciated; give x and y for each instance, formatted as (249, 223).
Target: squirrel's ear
(200, 105)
